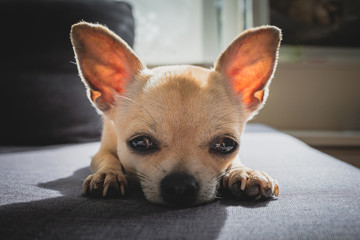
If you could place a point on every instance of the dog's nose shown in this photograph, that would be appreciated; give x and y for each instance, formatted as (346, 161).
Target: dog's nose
(179, 189)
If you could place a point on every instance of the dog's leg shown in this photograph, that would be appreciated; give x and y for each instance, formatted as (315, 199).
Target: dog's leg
(106, 167)
(246, 182)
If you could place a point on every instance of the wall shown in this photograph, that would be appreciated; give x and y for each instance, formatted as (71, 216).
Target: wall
(314, 97)
(316, 101)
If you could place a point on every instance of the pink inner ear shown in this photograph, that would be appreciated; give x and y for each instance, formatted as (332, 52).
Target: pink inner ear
(250, 79)
(105, 66)
(106, 80)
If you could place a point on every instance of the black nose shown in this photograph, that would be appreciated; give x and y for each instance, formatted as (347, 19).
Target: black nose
(179, 189)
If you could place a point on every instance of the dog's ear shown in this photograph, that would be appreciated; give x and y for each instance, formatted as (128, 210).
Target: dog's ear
(105, 62)
(249, 63)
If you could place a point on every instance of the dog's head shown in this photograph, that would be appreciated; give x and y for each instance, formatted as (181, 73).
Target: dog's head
(178, 127)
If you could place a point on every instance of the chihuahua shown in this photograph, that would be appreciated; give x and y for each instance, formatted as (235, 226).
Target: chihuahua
(176, 129)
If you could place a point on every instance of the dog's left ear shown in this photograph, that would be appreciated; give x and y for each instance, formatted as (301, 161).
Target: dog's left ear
(249, 63)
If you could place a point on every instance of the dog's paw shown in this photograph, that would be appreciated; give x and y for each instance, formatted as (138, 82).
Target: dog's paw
(105, 183)
(244, 182)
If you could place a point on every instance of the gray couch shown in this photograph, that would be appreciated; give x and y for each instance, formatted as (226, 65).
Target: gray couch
(40, 198)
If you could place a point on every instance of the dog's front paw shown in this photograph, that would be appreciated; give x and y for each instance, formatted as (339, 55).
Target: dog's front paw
(245, 182)
(104, 182)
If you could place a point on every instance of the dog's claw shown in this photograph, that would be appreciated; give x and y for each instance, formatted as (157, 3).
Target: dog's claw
(276, 190)
(122, 189)
(243, 183)
(251, 183)
(100, 183)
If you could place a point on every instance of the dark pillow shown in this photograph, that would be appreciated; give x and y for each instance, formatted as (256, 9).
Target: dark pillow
(43, 100)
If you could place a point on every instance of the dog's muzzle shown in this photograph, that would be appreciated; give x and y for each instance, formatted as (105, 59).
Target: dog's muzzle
(179, 189)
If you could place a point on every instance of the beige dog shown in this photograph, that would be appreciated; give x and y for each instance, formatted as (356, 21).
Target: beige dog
(176, 128)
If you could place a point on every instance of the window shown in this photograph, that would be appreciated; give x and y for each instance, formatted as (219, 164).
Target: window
(185, 31)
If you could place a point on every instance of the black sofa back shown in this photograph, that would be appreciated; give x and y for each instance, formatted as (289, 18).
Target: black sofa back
(43, 100)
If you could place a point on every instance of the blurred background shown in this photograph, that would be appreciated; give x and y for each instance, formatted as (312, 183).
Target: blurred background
(314, 95)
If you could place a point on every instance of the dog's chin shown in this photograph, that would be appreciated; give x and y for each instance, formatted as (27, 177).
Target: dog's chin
(155, 197)
(161, 202)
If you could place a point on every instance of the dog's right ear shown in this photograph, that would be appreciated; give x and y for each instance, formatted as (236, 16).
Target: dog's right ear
(249, 63)
(105, 62)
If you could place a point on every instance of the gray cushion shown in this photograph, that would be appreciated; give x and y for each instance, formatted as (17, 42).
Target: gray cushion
(40, 197)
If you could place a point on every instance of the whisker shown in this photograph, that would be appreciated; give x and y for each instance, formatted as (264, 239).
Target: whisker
(137, 173)
(126, 98)
(159, 168)
(200, 170)
(217, 177)
(224, 116)
(225, 123)
(144, 121)
(131, 100)
(218, 197)
(235, 168)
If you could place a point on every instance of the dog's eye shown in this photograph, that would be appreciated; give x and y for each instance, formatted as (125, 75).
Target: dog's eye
(142, 144)
(224, 146)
